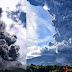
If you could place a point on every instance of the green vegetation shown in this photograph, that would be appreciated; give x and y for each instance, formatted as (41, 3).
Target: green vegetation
(41, 68)
(54, 68)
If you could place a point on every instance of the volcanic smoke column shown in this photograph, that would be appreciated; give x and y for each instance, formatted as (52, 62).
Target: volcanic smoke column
(8, 50)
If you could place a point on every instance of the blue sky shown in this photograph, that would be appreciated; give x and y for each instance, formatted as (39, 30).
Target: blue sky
(44, 22)
(61, 48)
(43, 28)
(41, 31)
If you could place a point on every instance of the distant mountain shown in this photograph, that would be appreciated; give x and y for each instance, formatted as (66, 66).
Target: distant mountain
(56, 59)
(44, 60)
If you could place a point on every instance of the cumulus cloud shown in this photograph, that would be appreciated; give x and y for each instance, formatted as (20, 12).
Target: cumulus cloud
(11, 11)
(61, 12)
(33, 51)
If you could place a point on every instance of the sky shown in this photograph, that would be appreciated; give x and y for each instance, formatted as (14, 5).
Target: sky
(61, 48)
(34, 29)
(31, 24)
(39, 32)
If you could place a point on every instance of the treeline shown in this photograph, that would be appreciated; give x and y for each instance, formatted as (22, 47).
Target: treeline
(41, 68)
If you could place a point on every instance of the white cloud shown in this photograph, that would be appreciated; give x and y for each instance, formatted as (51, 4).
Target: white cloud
(32, 28)
(31, 22)
(11, 4)
(18, 29)
(36, 41)
(45, 7)
(33, 51)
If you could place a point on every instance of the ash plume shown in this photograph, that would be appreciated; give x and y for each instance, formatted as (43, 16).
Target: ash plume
(0, 11)
(7, 44)
(8, 50)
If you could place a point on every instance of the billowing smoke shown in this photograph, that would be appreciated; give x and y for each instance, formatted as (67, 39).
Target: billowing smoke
(0, 11)
(8, 50)
(61, 10)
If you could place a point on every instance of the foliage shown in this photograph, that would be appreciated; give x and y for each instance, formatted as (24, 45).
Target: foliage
(48, 68)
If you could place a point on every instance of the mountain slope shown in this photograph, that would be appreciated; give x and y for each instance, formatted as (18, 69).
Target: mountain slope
(56, 59)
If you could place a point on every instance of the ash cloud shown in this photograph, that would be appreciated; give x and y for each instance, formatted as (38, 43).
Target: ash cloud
(0, 11)
(8, 50)
(7, 43)
(62, 11)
